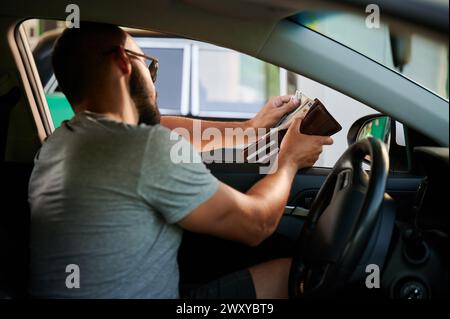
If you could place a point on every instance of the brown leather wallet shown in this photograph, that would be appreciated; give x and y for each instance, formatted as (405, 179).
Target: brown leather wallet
(318, 121)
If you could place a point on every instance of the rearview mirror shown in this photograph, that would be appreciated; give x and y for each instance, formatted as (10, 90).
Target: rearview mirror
(401, 50)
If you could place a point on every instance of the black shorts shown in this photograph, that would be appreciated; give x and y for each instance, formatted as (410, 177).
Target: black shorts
(237, 285)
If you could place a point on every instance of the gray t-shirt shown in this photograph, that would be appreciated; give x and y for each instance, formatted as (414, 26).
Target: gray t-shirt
(105, 197)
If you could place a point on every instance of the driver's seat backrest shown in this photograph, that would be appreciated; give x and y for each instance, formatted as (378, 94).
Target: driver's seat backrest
(14, 229)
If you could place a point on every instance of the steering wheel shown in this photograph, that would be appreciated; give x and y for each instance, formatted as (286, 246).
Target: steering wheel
(346, 228)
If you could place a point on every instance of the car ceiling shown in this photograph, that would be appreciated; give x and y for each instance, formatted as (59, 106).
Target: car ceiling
(168, 16)
(238, 24)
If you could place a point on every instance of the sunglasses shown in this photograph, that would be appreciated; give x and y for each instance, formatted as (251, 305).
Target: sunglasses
(150, 62)
(153, 64)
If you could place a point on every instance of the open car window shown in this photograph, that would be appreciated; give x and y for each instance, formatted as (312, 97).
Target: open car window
(207, 81)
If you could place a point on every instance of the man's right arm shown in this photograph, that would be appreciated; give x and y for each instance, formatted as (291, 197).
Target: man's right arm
(252, 217)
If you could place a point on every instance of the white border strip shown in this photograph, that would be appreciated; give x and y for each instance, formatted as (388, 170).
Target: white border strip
(195, 100)
(283, 82)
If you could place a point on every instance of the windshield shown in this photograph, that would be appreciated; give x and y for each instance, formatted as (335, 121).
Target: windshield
(421, 59)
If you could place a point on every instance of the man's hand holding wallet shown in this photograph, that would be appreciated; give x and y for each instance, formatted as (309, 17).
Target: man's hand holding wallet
(309, 118)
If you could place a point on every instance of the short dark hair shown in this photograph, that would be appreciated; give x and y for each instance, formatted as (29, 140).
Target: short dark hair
(77, 53)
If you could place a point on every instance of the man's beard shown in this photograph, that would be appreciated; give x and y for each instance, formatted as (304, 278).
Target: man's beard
(148, 112)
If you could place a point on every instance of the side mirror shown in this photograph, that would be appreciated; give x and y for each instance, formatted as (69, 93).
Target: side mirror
(383, 128)
(375, 125)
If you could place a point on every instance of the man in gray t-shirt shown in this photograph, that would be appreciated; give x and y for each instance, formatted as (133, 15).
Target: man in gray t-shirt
(106, 197)
(108, 202)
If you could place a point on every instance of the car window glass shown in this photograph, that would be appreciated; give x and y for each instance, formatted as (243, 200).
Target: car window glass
(422, 59)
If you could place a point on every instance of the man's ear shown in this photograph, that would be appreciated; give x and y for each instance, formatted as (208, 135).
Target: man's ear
(122, 60)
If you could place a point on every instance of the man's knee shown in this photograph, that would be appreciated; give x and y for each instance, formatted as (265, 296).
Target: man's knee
(271, 278)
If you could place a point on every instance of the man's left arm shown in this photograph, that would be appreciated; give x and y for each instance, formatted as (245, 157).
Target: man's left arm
(204, 134)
